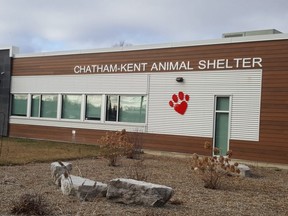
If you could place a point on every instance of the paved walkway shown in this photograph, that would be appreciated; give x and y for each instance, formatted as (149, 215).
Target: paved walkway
(252, 163)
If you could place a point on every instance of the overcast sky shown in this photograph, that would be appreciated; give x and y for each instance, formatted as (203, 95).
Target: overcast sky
(58, 25)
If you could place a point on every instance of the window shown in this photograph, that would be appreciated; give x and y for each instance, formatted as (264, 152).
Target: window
(119, 108)
(49, 106)
(35, 105)
(112, 108)
(126, 108)
(44, 106)
(71, 106)
(132, 109)
(19, 105)
(93, 107)
(222, 104)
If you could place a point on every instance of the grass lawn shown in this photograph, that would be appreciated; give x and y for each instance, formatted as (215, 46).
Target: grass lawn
(22, 151)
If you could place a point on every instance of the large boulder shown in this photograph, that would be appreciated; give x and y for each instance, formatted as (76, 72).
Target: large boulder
(59, 168)
(84, 189)
(130, 191)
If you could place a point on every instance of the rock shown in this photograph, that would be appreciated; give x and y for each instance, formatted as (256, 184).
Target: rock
(66, 184)
(59, 168)
(244, 170)
(130, 191)
(84, 189)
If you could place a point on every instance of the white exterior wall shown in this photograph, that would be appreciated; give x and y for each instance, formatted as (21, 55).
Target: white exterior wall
(104, 83)
(243, 85)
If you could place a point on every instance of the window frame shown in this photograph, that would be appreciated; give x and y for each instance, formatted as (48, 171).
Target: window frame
(12, 105)
(41, 107)
(106, 105)
(58, 104)
(86, 118)
(219, 111)
(62, 107)
(142, 98)
(119, 105)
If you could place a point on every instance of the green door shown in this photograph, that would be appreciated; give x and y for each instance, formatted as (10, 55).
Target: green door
(221, 133)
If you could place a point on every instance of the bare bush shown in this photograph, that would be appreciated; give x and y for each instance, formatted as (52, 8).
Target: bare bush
(138, 171)
(136, 140)
(31, 204)
(212, 169)
(115, 145)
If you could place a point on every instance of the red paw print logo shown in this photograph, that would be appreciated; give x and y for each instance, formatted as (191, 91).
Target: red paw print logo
(179, 102)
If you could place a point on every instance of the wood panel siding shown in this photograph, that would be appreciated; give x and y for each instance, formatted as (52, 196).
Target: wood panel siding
(273, 142)
(273, 133)
(64, 64)
(172, 143)
(83, 136)
(263, 151)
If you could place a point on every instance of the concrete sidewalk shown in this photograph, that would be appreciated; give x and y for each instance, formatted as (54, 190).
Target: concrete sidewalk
(247, 162)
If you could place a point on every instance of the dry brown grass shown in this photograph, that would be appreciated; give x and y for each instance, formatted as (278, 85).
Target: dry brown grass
(23, 151)
(31, 204)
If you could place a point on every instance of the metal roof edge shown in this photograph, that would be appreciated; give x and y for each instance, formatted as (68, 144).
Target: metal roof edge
(255, 38)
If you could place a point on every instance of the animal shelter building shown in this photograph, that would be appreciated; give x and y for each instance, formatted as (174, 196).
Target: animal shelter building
(231, 92)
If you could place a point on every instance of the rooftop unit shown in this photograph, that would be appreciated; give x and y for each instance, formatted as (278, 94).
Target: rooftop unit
(250, 33)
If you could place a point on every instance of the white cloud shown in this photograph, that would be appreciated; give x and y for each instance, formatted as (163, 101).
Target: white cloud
(38, 25)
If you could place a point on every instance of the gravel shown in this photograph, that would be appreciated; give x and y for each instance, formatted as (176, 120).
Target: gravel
(265, 193)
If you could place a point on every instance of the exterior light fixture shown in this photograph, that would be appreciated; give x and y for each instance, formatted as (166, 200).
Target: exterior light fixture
(179, 79)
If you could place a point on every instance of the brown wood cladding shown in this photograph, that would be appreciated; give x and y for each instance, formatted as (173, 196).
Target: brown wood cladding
(273, 140)
(185, 144)
(64, 64)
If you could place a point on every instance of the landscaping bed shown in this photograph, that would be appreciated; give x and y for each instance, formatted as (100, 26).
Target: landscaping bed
(264, 193)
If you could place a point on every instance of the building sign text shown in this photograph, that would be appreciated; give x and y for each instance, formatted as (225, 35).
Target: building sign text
(210, 64)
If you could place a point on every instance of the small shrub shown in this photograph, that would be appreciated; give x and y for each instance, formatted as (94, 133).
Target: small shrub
(138, 171)
(136, 140)
(31, 204)
(213, 169)
(115, 145)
